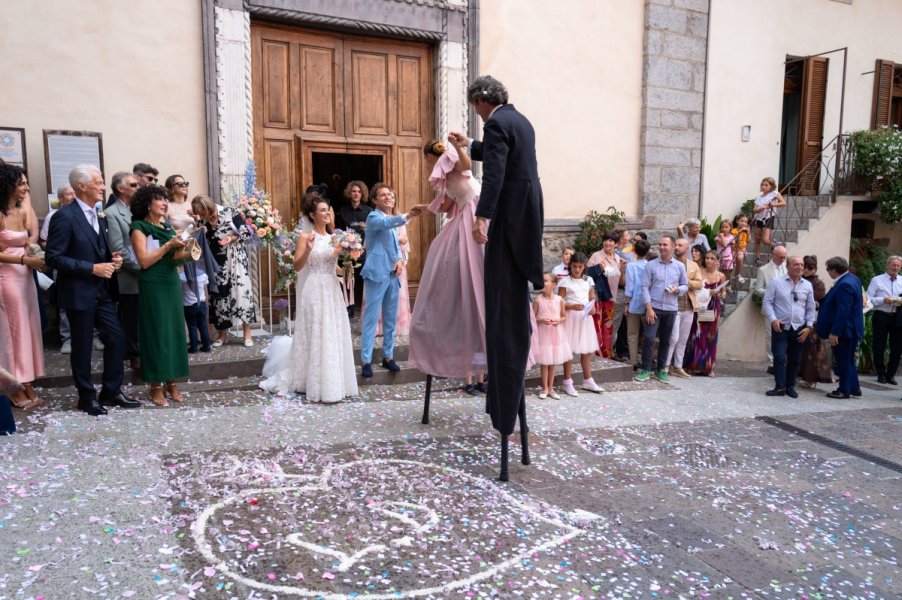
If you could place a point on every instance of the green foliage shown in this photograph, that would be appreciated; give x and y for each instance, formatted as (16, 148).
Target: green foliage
(868, 261)
(877, 155)
(748, 208)
(711, 229)
(594, 226)
(865, 348)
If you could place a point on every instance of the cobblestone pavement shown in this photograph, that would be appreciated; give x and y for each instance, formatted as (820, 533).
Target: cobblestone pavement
(646, 491)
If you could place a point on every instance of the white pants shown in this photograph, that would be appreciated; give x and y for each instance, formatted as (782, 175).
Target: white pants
(768, 328)
(680, 337)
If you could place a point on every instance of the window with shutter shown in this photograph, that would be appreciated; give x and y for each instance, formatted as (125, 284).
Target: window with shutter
(883, 93)
(811, 131)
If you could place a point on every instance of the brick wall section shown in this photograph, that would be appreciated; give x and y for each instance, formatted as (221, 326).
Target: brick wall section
(673, 94)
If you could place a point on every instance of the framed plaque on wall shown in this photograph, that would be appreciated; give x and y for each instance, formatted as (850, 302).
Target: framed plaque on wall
(64, 150)
(12, 146)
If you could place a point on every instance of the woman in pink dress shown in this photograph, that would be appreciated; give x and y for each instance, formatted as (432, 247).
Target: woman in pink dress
(447, 333)
(21, 349)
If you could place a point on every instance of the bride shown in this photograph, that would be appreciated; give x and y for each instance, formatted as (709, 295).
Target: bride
(319, 360)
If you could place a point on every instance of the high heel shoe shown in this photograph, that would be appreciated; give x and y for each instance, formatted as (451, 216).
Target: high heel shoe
(22, 402)
(174, 394)
(32, 396)
(156, 395)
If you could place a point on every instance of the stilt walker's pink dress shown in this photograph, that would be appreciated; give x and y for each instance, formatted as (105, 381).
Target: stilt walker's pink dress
(21, 348)
(447, 331)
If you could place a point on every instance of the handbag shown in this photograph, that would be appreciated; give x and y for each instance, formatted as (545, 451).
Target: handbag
(190, 252)
(707, 315)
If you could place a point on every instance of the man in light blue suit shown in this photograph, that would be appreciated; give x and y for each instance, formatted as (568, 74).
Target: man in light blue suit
(380, 277)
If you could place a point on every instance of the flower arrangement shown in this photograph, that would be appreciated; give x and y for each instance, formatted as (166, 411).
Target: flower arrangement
(351, 245)
(283, 247)
(263, 222)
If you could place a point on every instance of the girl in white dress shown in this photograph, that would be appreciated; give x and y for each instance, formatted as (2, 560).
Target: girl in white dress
(319, 360)
(578, 292)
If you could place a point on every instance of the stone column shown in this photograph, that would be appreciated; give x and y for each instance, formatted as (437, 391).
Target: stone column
(673, 100)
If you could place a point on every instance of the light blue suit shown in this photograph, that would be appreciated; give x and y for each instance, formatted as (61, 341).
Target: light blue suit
(380, 283)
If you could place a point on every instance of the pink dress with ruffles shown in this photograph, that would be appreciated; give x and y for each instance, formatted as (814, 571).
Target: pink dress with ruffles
(447, 330)
(21, 349)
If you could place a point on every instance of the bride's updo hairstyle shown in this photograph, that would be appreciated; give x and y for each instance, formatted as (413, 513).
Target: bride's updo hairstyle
(313, 201)
(434, 147)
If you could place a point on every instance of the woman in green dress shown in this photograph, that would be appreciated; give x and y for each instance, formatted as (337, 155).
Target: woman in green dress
(161, 323)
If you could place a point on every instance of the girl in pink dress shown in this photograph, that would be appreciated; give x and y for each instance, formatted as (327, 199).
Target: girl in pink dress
(725, 241)
(447, 332)
(21, 349)
(551, 347)
(578, 292)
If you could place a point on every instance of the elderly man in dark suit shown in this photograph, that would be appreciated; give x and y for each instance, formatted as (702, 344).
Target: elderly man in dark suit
(78, 247)
(511, 199)
(841, 321)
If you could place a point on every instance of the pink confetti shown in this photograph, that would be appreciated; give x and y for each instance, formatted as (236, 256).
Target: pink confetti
(271, 575)
(35, 568)
(328, 575)
(209, 571)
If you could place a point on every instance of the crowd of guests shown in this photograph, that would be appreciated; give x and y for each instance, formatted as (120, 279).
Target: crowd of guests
(130, 274)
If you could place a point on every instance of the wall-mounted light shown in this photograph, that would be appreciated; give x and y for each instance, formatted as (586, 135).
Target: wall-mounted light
(746, 132)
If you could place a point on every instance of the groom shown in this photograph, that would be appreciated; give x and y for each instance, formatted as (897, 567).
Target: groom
(380, 277)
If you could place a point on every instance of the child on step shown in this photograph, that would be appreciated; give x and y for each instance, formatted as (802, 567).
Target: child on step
(578, 292)
(552, 347)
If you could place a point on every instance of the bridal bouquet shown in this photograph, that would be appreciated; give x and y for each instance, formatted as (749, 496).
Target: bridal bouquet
(351, 245)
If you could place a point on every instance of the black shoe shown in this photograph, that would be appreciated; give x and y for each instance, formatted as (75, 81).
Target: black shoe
(367, 370)
(470, 389)
(92, 407)
(206, 349)
(892, 381)
(770, 370)
(838, 395)
(775, 392)
(792, 393)
(120, 400)
(192, 350)
(881, 379)
(390, 364)
(857, 393)
(481, 387)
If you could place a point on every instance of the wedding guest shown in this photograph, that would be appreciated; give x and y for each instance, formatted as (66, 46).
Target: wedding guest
(194, 305)
(380, 276)
(726, 248)
(78, 248)
(451, 285)
(161, 330)
(885, 292)
(776, 267)
(817, 359)
(606, 318)
(635, 308)
(21, 348)
(233, 300)
(402, 324)
(179, 214)
(352, 215)
(789, 305)
(663, 282)
(698, 255)
(145, 174)
(562, 270)
(741, 234)
(691, 229)
(578, 292)
(765, 212)
(552, 346)
(319, 360)
(64, 195)
(840, 320)
(703, 336)
(686, 307)
(119, 217)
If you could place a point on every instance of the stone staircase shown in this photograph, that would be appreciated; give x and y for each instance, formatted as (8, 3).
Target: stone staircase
(799, 217)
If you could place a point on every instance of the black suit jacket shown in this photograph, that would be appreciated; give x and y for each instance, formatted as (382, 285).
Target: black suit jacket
(72, 250)
(511, 193)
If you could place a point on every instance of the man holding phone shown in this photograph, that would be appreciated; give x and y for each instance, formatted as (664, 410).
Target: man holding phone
(789, 308)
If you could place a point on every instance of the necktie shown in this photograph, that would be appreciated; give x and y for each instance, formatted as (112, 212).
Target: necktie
(92, 219)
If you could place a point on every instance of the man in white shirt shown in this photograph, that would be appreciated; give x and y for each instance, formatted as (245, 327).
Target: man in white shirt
(773, 269)
(885, 293)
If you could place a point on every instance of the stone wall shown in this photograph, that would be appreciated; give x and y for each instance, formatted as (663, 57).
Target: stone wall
(673, 100)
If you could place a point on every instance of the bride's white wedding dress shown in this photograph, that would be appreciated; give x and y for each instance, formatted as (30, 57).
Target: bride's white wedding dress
(319, 360)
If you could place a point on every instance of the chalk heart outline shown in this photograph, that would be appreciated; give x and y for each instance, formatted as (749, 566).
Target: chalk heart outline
(199, 533)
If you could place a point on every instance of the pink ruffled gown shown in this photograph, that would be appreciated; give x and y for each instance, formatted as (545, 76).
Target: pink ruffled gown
(21, 349)
(447, 331)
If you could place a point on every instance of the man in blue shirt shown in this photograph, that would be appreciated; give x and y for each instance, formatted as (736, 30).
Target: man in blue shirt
(789, 308)
(663, 281)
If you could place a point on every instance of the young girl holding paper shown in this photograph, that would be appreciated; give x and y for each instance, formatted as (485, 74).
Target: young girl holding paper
(578, 292)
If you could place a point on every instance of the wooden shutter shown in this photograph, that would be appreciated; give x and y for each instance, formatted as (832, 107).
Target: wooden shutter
(814, 96)
(883, 93)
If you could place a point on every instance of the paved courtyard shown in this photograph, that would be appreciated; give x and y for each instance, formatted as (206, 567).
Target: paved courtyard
(646, 491)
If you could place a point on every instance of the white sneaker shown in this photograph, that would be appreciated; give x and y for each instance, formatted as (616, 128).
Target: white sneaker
(66, 347)
(571, 391)
(592, 386)
(98, 345)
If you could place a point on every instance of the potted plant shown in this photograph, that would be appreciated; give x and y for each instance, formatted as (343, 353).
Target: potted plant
(594, 226)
